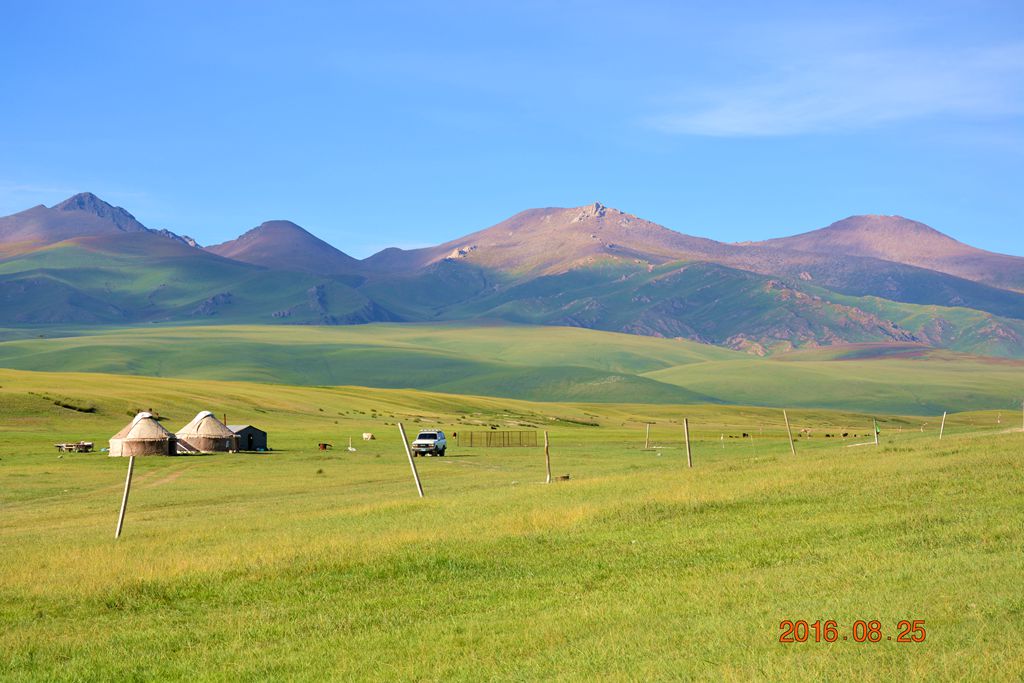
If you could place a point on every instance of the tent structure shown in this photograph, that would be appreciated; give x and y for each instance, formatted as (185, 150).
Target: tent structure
(143, 436)
(250, 438)
(206, 434)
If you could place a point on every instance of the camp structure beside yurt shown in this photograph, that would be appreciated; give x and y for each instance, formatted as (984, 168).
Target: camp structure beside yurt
(143, 436)
(250, 438)
(206, 434)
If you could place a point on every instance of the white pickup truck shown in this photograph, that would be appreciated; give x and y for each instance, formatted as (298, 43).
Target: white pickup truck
(429, 443)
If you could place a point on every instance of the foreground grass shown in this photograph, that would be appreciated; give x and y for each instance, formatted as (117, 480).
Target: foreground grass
(308, 565)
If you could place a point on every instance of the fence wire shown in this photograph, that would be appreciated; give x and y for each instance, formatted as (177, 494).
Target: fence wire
(497, 439)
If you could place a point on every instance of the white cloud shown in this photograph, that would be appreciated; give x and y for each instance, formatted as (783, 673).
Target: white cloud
(839, 91)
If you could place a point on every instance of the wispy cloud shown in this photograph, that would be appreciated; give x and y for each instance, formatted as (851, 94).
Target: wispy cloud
(854, 89)
(23, 189)
(16, 197)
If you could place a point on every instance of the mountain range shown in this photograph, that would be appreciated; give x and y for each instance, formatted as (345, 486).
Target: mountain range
(861, 279)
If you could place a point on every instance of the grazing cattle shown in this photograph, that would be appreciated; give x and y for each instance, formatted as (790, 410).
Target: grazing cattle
(367, 436)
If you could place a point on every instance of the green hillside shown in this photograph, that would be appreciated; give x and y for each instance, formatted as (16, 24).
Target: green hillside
(912, 386)
(145, 277)
(737, 309)
(498, 360)
(537, 363)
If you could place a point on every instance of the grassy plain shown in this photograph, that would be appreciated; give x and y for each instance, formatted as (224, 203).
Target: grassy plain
(305, 565)
(532, 363)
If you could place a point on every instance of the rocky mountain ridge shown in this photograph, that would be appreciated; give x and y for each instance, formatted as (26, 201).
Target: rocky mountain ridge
(862, 279)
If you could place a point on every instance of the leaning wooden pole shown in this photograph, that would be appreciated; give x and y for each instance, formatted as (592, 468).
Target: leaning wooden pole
(686, 435)
(124, 498)
(412, 463)
(942, 426)
(789, 432)
(874, 425)
(547, 457)
(647, 437)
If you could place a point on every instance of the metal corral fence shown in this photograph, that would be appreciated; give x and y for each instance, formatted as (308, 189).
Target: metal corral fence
(497, 439)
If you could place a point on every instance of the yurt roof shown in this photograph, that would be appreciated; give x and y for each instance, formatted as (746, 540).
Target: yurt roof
(143, 427)
(206, 424)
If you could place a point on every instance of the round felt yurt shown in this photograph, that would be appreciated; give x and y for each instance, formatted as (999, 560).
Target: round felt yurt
(206, 434)
(143, 436)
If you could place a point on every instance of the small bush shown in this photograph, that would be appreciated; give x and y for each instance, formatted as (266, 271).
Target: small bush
(77, 408)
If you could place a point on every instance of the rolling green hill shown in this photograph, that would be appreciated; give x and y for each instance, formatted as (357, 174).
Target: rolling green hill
(536, 363)
(702, 301)
(145, 277)
(498, 360)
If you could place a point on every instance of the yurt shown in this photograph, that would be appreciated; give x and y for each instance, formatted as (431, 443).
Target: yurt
(206, 434)
(143, 436)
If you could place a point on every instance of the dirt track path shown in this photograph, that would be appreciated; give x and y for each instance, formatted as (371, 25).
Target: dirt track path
(169, 479)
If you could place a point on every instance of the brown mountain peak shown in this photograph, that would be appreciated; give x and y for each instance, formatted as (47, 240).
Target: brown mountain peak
(284, 244)
(893, 238)
(553, 240)
(595, 210)
(89, 203)
(276, 229)
(83, 201)
(884, 225)
(901, 240)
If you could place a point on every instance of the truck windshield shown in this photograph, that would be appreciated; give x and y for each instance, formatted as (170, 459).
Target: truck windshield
(427, 435)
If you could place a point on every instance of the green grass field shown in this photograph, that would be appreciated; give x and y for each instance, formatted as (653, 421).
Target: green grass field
(306, 565)
(533, 363)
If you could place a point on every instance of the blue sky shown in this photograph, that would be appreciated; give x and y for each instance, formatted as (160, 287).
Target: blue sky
(416, 122)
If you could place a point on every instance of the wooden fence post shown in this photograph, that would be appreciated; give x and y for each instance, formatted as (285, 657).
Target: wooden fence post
(942, 426)
(789, 432)
(647, 438)
(124, 498)
(874, 426)
(547, 457)
(686, 435)
(412, 463)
